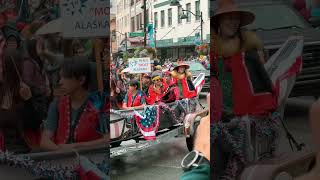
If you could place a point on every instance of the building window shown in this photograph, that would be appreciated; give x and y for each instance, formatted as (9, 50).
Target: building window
(162, 18)
(188, 13)
(179, 14)
(170, 17)
(138, 21)
(132, 25)
(156, 20)
(197, 10)
(147, 16)
(140, 16)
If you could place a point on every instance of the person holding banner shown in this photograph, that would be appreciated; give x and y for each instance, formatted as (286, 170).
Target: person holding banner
(157, 90)
(74, 120)
(146, 82)
(134, 97)
(181, 77)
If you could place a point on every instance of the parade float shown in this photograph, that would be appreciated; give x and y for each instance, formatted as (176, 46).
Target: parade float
(157, 123)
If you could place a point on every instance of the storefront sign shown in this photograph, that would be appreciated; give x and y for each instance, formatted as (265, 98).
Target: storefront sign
(139, 65)
(85, 18)
(136, 34)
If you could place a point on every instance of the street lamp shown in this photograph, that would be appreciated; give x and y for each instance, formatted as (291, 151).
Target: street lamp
(175, 3)
(184, 16)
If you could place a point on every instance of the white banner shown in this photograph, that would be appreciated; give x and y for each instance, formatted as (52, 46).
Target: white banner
(139, 65)
(85, 18)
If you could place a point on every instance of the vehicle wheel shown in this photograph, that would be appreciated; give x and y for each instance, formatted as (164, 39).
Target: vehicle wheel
(115, 144)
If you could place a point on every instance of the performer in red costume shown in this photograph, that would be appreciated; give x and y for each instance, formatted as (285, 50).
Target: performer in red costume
(134, 97)
(74, 120)
(181, 77)
(158, 89)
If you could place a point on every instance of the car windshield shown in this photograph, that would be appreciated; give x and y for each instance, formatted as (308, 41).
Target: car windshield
(196, 67)
(274, 16)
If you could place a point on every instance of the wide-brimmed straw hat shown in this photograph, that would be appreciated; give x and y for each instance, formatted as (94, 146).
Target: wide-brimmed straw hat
(229, 7)
(181, 65)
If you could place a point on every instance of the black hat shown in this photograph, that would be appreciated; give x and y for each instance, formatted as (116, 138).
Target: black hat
(134, 83)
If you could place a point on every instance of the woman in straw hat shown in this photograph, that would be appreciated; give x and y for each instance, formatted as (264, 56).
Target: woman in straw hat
(181, 77)
(241, 87)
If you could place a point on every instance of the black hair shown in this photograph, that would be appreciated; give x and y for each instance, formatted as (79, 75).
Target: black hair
(134, 83)
(77, 67)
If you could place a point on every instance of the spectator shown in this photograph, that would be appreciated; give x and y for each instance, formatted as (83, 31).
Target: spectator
(200, 170)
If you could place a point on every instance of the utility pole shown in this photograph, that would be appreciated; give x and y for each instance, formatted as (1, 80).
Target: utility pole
(145, 21)
(126, 39)
(155, 38)
(201, 24)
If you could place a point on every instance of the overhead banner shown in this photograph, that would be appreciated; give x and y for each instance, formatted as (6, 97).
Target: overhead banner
(85, 18)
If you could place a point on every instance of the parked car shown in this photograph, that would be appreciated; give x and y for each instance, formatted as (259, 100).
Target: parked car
(275, 21)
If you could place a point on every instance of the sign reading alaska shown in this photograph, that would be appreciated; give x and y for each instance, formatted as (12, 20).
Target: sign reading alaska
(85, 18)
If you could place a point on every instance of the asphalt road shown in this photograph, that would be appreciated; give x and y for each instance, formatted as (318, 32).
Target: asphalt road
(162, 162)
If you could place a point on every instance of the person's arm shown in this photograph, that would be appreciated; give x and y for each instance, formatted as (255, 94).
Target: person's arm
(51, 57)
(50, 126)
(254, 42)
(102, 141)
(202, 172)
(28, 72)
(46, 143)
(125, 101)
(202, 144)
(261, 56)
(315, 126)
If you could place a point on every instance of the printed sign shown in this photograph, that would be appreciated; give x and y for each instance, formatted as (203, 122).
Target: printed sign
(139, 65)
(85, 18)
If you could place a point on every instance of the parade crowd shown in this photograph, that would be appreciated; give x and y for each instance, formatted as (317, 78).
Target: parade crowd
(165, 83)
(48, 100)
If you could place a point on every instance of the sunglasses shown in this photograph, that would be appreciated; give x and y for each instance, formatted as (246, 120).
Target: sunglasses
(156, 80)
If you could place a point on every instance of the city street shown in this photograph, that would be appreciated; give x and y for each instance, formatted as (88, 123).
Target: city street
(162, 162)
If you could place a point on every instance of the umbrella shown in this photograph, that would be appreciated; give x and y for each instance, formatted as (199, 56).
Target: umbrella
(54, 26)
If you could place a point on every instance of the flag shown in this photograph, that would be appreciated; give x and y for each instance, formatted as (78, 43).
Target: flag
(148, 122)
(284, 65)
(199, 82)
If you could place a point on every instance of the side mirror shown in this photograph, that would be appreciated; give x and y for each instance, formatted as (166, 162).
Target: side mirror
(315, 21)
